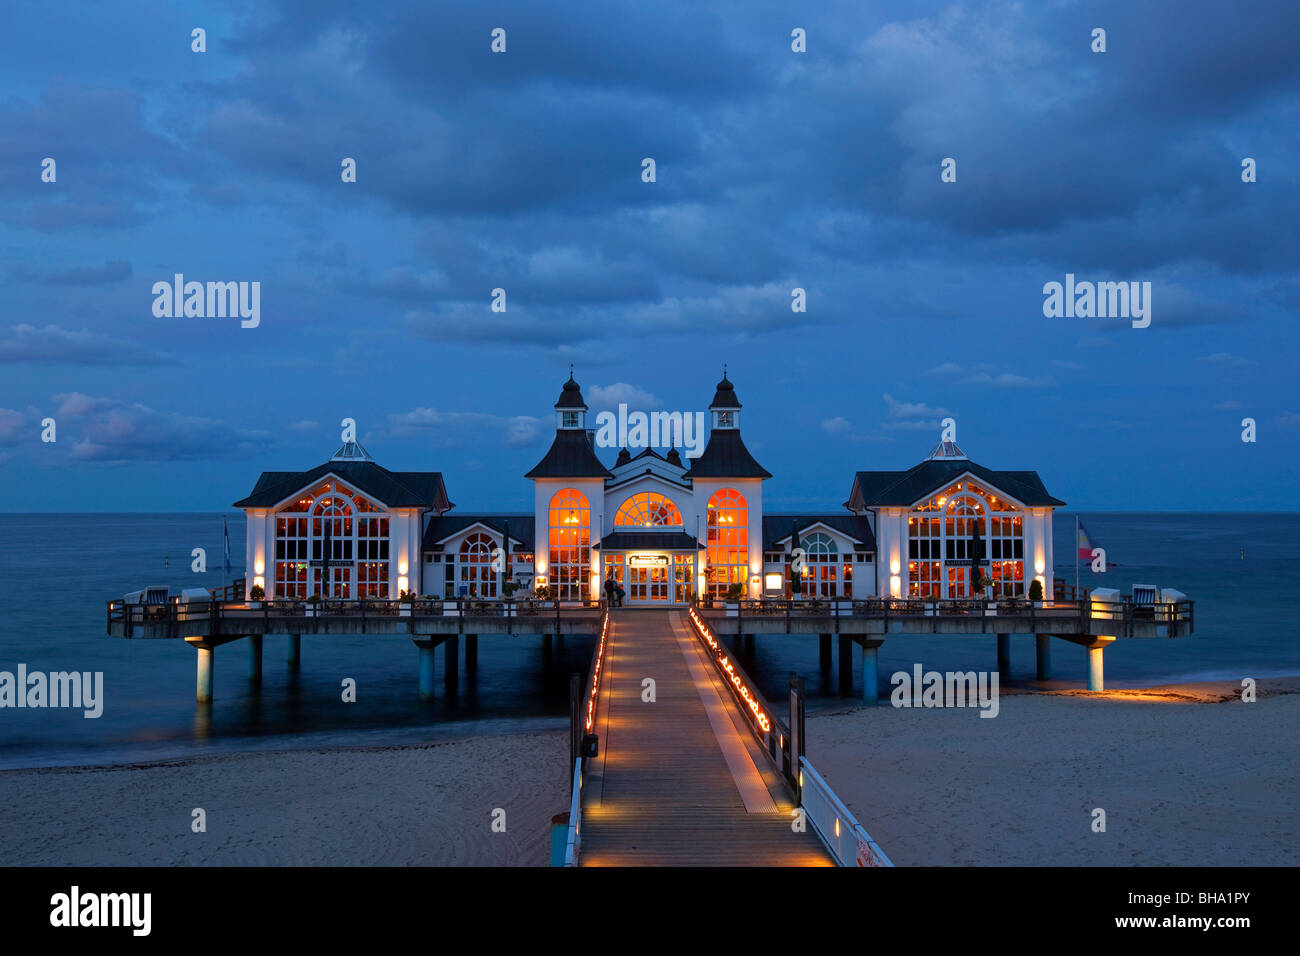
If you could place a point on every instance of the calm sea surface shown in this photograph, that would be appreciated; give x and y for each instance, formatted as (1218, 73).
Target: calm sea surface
(60, 569)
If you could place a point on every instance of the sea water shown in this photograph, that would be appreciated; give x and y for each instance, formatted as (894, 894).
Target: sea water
(59, 570)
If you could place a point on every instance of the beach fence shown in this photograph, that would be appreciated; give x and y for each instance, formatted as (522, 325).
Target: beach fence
(566, 830)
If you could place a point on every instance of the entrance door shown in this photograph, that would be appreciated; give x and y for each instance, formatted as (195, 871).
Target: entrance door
(647, 583)
(338, 582)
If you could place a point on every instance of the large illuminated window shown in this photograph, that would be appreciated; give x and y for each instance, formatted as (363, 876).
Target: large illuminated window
(357, 562)
(821, 565)
(570, 545)
(476, 574)
(648, 510)
(941, 534)
(728, 540)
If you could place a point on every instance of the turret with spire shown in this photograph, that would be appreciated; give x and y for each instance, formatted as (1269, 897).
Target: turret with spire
(570, 454)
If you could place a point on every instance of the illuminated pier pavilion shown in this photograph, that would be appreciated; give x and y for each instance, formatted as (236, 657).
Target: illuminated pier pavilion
(351, 547)
(667, 530)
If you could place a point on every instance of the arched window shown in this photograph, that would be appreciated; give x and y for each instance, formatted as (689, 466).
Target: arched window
(941, 533)
(821, 565)
(476, 572)
(648, 510)
(570, 545)
(728, 540)
(355, 564)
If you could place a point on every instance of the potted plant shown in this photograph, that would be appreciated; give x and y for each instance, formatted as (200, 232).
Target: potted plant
(735, 591)
(313, 605)
(1036, 592)
(406, 599)
(255, 595)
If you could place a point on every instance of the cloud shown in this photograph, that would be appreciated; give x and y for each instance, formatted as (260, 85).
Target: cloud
(1225, 360)
(303, 426)
(905, 410)
(837, 425)
(110, 431)
(1289, 420)
(52, 344)
(947, 368)
(455, 429)
(77, 275)
(1005, 380)
(10, 423)
(1227, 406)
(609, 397)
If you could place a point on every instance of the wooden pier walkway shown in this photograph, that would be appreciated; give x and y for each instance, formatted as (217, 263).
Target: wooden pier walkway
(680, 781)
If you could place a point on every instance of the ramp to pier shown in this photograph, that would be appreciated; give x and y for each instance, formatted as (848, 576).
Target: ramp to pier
(680, 781)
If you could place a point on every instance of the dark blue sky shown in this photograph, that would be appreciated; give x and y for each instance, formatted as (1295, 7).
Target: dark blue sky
(523, 171)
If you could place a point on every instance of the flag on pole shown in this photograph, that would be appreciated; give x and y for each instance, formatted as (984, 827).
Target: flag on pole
(1085, 548)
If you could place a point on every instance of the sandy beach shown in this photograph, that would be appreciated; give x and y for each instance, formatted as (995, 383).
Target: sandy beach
(1188, 775)
(419, 806)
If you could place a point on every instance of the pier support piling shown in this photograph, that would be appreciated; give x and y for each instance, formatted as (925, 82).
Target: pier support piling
(870, 674)
(1004, 657)
(471, 652)
(846, 664)
(204, 683)
(1096, 675)
(1043, 647)
(546, 642)
(426, 671)
(294, 657)
(451, 666)
(255, 658)
(824, 651)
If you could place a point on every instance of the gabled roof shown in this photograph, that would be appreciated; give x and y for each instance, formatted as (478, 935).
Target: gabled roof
(776, 528)
(570, 456)
(636, 540)
(443, 527)
(395, 489)
(901, 488)
(725, 456)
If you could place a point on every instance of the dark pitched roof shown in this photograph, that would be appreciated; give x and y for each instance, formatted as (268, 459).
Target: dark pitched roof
(636, 540)
(777, 528)
(897, 488)
(725, 456)
(570, 395)
(570, 456)
(725, 396)
(444, 526)
(396, 489)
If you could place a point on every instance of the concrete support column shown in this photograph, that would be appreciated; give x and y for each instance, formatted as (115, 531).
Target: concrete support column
(255, 658)
(846, 664)
(546, 642)
(1044, 655)
(870, 675)
(824, 651)
(295, 651)
(471, 652)
(451, 665)
(1004, 657)
(1096, 676)
(204, 683)
(426, 670)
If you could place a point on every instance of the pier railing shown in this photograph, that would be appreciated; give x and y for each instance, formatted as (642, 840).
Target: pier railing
(173, 615)
(1178, 615)
(770, 731)
(848, 841)
(583, 728)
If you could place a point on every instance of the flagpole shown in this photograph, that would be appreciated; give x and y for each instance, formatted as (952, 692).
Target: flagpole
(1077, 597)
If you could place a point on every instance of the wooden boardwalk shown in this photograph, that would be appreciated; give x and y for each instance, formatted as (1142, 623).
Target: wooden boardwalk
(680, 781)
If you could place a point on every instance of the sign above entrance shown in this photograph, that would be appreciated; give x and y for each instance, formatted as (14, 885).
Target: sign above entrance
(647, 560)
